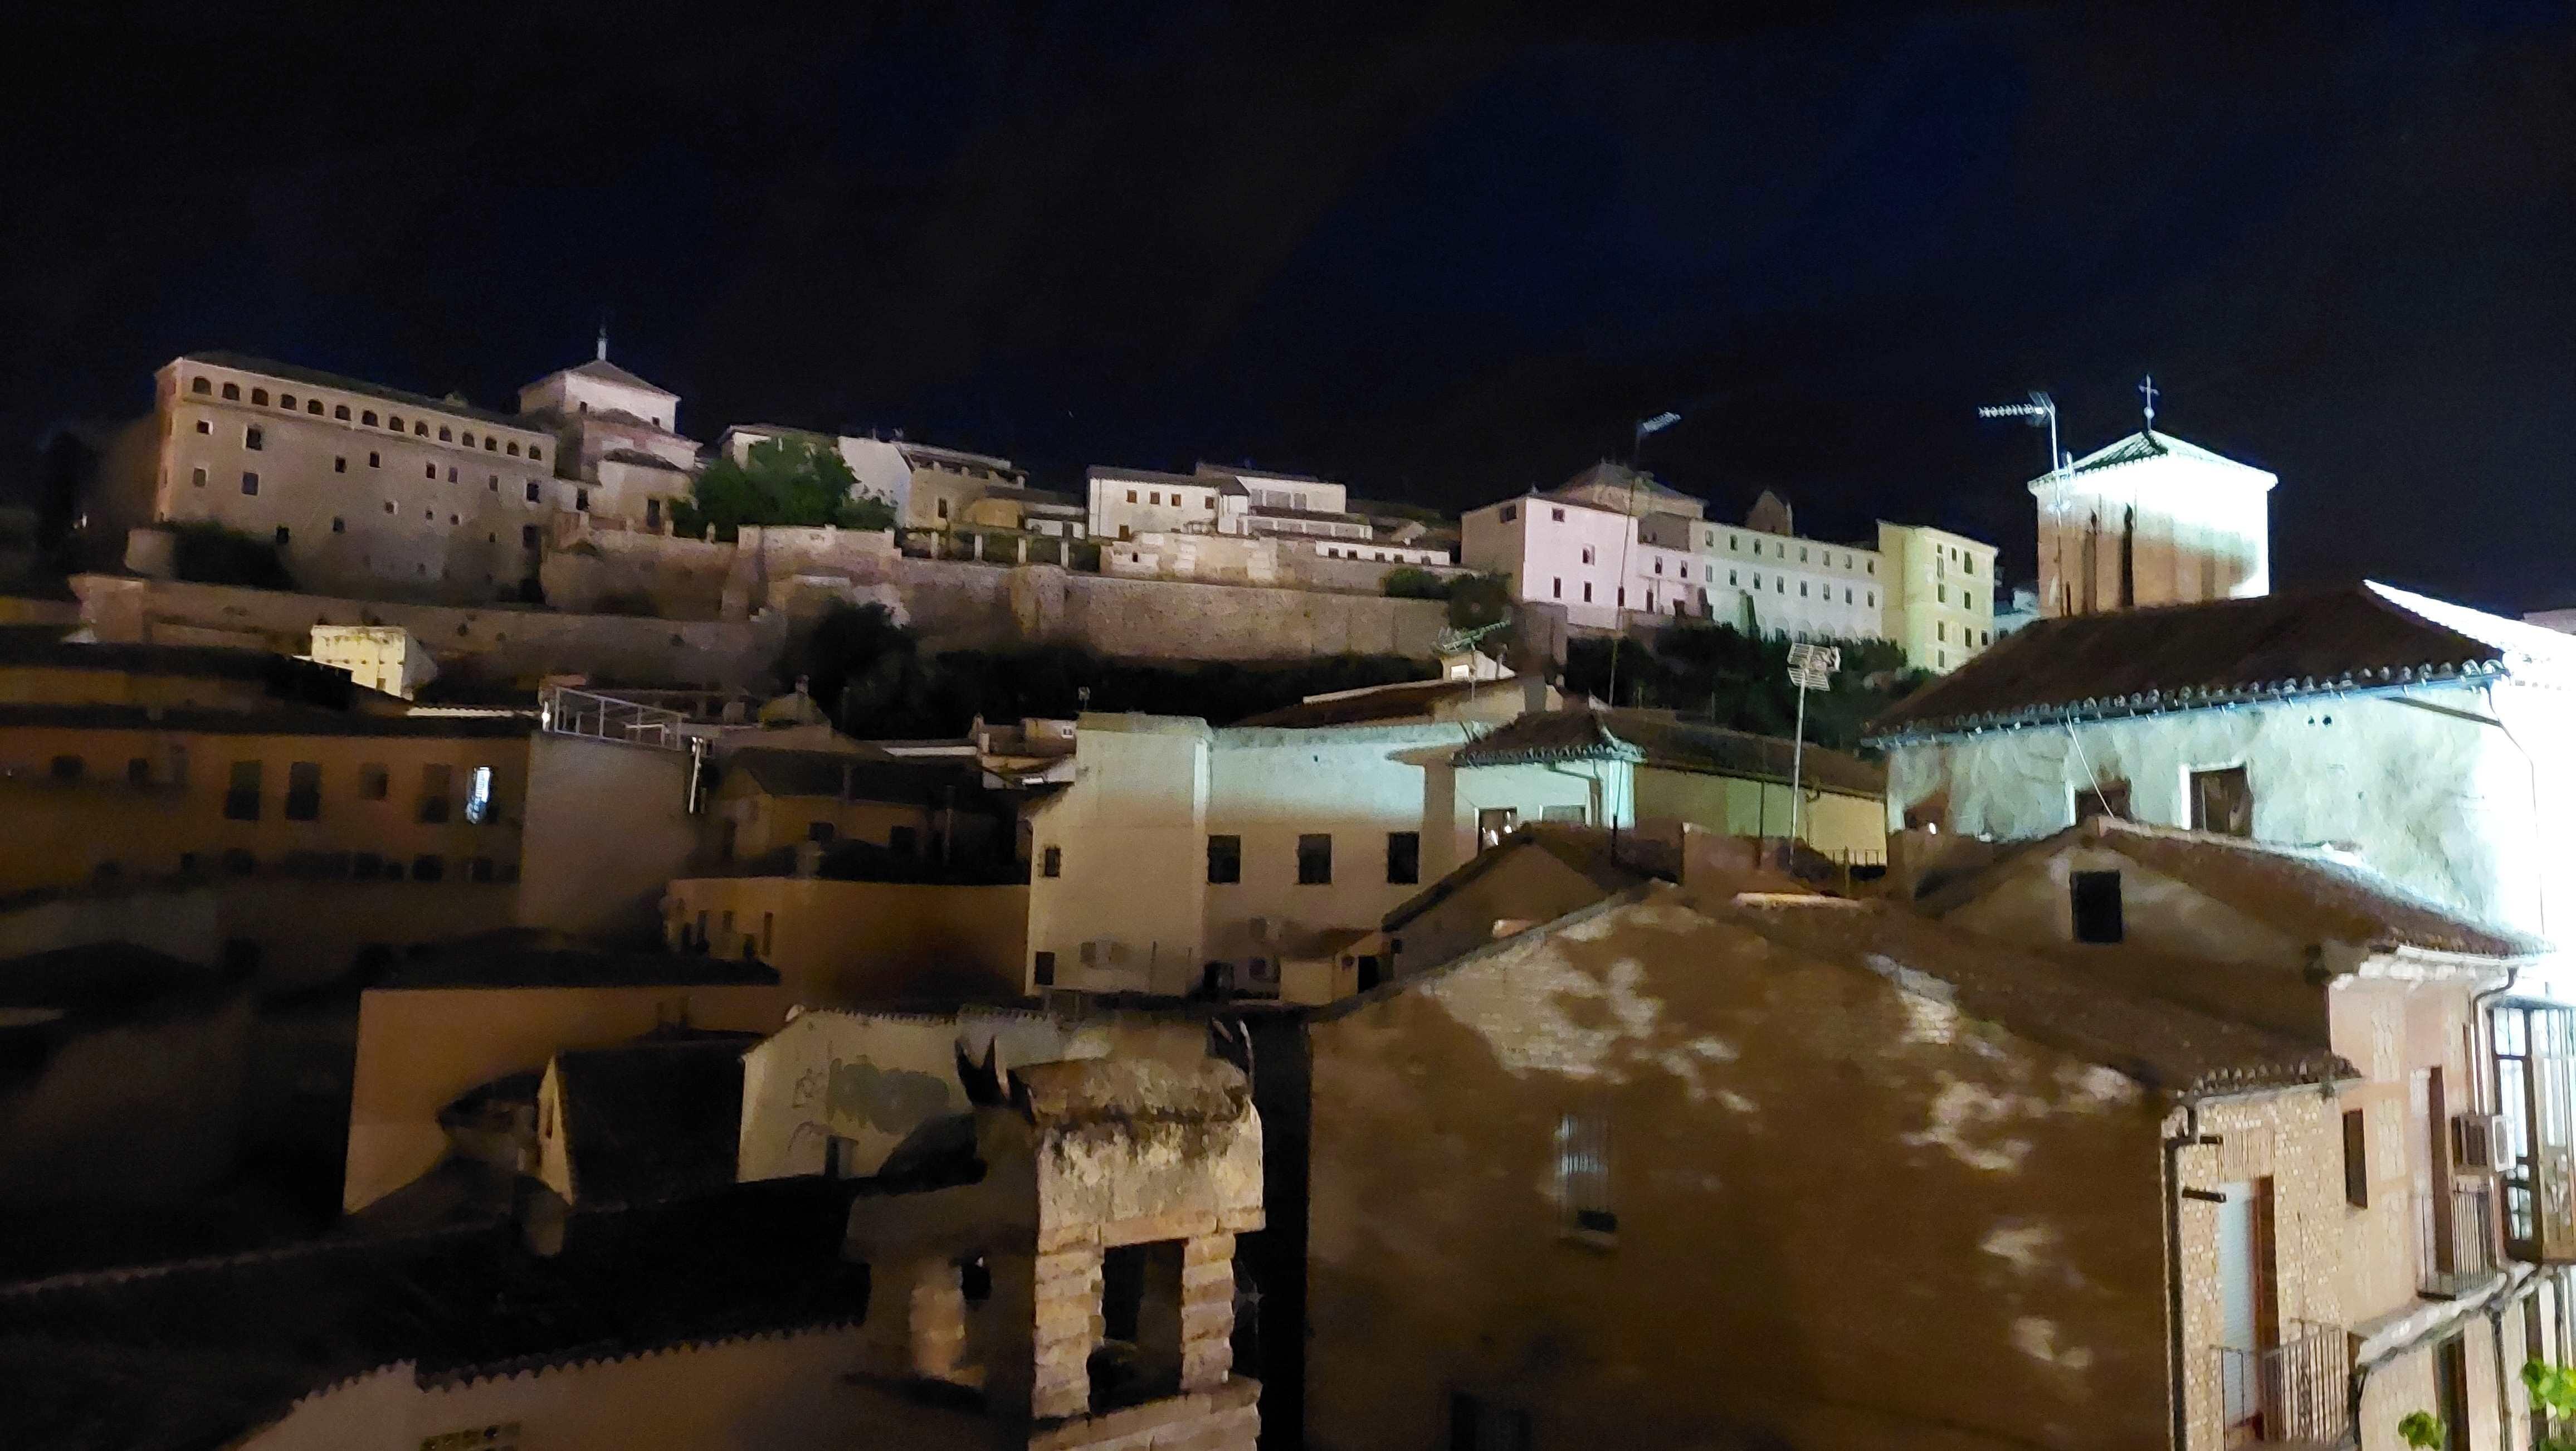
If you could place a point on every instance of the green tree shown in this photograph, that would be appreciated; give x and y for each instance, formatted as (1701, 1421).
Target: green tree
(1409, 583)
(1479, 599)
(778, 481)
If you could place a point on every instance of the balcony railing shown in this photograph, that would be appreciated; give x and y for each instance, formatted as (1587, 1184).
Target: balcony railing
(570, 712)
(2293, 1392)
(2457, 1235)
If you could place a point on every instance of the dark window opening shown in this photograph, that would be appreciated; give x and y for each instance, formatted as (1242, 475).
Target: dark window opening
(138, 771)
(2096, 901)
(426, 868)
(373, 782)
(820, 832)
(1045, 973)
(66, 768)
(1477, 1424)
(1051, 862)
(2222, 801)
(241, 792)
(1403, 857)
(304, 791)
(437, 787)
(2356, 1159)
(2102, 798)
(1224, 859)
(1315, 859)
(903, 841)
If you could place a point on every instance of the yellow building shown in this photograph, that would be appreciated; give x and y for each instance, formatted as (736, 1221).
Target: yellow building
(1940, 594)
(930, 811)
(327, 821)
(842, 943)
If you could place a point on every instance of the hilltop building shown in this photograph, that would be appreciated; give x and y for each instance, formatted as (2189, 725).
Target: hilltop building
(1613, 544)
(2152, 520)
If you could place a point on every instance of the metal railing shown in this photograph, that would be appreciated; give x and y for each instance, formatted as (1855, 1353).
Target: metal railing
(2472, 1241)
(569, 712)
(2296, 1391)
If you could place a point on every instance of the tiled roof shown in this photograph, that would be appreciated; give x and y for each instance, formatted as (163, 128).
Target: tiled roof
(642, 458)
(316, 378)
(1555, 735)
(660, 1118)
(1614, 861)
(279, 719)
(2221, 653)
(1682, 745)
(198, 1354)
(2159, 1044)
(2138, 447)
(608, 372)
(2307, 893)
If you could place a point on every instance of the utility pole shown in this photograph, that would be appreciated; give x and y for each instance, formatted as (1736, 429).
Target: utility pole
(1811, 667)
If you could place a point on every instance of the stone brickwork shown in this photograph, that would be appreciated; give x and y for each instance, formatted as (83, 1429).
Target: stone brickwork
(1225, 1417)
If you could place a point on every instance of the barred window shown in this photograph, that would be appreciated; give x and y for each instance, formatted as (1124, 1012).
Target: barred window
(1583, 1173)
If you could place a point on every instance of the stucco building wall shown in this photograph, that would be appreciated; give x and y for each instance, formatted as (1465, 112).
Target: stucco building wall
(2447, 806)
(418, 1048)
(608, 824)
(2006, 1193)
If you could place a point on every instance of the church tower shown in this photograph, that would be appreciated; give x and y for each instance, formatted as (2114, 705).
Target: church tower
(2152, 520)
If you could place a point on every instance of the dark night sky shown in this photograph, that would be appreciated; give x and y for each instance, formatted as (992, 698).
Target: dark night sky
(1440, 261)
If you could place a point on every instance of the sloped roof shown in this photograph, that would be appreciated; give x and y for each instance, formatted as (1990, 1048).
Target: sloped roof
(1612, 861)
(655, 1119)
(641, 458)
(1541, 736)
(2139, 447)
(608, 372)
(316, 378)
(2307, 893)
(2158, 1044)
(1620, 476)
(2365, 636)
(1681, 745)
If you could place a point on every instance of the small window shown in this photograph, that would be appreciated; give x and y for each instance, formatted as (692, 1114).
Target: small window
(1587, 554)
(339, 525)
(340, 414)
(494, 486)
(444, 436)
(2356, 1159)
(528, 535)
(375, 460)
(1051, 862)
(2222, 801)
(205, 425)
(513, 449)
(233, 391)
(339, 465)
(368, 418)
(394, 422)
(283, 534)
(2095, 898)
(373, 782)
(304, 791)
(1131, 496)
(532, 451)
(428, 868)
(467, 440)
(314, 407)
(1556, 588)
(451, 473)
(65, 768)
(581, 502)
(198, 478)
(138, 771)
(1587, 592)
(1315, 859)
(820, 831)
(1510, 511)
(389, 506)
(286, 401)
(1044, 970)
(1478, 1424)
(200, 386)
(259, 396)
(239, 862)
(532, 491)
(437, 789)
(1224, 859)
(419, 429)
(1403, 858)
(478, 796)
(2102, 798)
(254, 437)
(250, 483)
(1583, 1173)
(241, 792)
(429, 472)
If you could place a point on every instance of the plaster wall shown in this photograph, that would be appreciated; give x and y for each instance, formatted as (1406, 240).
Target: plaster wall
(1131, 877)
(845, 943)
(608, 825)
(1940, 594)
(2012, 1198)
(419, 1048)
(1590, 793)
(2202, 532)
(2440, 804)
(1843, 827)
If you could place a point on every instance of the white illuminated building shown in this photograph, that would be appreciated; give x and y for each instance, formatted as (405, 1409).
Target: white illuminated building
(2152, 520)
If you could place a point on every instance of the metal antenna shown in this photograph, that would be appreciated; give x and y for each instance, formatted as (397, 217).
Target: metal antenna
(2042, 410)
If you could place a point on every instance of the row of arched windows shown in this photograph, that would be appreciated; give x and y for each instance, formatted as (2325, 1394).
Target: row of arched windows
(232, 393)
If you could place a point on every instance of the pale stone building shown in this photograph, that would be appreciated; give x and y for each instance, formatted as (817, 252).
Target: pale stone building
(1613, 544)
(2152, 520)
(929, 487)
(2431, 741)
(380, 657)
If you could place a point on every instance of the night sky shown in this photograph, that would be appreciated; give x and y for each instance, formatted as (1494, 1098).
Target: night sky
(1442, 261)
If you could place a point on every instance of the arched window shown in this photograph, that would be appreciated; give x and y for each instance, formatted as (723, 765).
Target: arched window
(394, 422)
(420, 430)
(286, 400)
(468, 440)
(259, 396)
(341, 413)
(233, 391)
(514, 448)
(533, 455)
(201, 386)
(443, 435)
(368, 418)
(490, 443)
(314, 407)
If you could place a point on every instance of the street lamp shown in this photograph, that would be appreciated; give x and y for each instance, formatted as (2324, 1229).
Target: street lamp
(1811, 667)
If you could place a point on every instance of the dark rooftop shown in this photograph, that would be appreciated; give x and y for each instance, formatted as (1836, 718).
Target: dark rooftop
(508, 965)
(190, 1356)
(1612, 861)
(659, 1118)
(2226, 652)
(915, 782)
(608, 372)
(316, 378)
(281, 719)
(1544, 736)
(1675, 744)
(642, 458)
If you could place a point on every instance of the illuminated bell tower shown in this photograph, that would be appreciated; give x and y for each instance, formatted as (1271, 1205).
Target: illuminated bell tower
(2152, 520)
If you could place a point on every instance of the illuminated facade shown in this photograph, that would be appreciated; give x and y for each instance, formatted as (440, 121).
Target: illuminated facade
(2152, 520)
